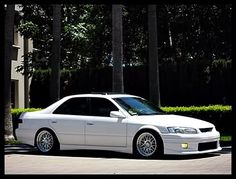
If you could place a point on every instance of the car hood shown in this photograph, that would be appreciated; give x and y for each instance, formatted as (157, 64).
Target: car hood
(170, 120)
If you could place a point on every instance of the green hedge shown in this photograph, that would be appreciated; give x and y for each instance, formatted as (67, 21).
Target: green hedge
(17, 111)
(219, 115)
(198, 109)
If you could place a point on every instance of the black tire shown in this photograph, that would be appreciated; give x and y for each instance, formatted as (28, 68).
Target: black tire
(148, 144)
(46, 142)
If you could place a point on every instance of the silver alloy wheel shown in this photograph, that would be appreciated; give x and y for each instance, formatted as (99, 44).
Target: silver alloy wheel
(45, 141)
(146, 144)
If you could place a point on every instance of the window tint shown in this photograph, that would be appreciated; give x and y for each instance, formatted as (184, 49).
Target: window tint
(102, 107)
(74, 106)
(137, 106)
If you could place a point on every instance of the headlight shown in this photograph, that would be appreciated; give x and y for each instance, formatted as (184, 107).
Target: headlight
(182, 130)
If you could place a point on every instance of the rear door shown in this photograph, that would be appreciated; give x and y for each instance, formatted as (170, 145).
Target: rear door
(68, 121)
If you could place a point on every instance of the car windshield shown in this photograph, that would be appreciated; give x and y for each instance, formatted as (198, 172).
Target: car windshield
(137, 106)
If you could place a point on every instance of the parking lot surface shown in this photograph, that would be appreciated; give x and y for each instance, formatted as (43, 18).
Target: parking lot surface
(23, 160)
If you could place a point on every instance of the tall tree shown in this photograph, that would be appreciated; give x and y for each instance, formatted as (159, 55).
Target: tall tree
(117, 49)
(8, 49)
(154, 84)
(56, 54)
(26, 73)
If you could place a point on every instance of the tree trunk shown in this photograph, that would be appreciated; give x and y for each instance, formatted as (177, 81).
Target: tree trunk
(117, 49)
(154, 85)
(26, 71)
(8, 49)
(56, 55)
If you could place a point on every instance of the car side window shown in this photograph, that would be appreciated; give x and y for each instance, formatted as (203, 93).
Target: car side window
(102, 107)
(74, 106)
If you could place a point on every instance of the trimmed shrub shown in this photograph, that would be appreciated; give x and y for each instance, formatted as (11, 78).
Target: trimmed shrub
(16, 112)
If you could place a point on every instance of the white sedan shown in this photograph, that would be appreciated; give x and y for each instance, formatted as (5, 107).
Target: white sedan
(116, 122)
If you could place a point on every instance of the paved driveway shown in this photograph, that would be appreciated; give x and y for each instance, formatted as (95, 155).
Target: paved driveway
(26, 161)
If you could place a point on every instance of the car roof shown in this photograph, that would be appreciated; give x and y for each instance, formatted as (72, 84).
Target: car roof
(101, 95)
(98, 95)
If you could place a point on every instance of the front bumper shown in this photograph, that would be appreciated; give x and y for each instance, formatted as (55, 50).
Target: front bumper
(197, 143)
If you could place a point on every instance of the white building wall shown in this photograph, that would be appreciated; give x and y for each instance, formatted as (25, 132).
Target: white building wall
(17, 60)
(17, 77)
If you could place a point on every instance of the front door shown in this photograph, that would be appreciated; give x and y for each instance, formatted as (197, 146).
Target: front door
(100, 128)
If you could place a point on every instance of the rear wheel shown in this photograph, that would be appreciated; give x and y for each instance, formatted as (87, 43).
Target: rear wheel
(46, 141)
(148, 145)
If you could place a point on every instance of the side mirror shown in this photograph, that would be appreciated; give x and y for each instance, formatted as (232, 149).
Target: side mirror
(117, 114)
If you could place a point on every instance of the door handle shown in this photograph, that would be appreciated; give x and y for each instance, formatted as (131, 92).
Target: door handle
(90, 123)
(54, 121)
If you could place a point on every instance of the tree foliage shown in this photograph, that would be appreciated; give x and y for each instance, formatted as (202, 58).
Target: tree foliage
(186, 32)
(198, 31)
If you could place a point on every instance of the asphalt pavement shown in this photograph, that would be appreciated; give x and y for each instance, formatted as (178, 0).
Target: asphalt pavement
(23, 159)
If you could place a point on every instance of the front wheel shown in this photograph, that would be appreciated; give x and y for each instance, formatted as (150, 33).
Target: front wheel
(148, 145)
(46, 142)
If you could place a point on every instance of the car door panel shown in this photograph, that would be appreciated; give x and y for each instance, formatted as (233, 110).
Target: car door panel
(69, 119)
(101, 129)
(68, 128)
(105, 131)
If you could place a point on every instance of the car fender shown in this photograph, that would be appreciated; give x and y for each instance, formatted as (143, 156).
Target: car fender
(145, 127)
(149, 127)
